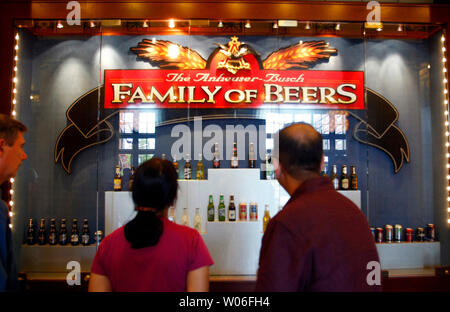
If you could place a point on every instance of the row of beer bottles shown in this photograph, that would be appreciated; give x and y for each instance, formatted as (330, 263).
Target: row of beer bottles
(187, 172)
(344, 181)
(60, 237)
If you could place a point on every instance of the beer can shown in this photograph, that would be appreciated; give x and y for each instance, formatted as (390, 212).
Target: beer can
(253, 212)
(398, 233)
(409, 235)
(379, 235)
(420, 234)
(388, 233)
(243, 212)
(431, 232)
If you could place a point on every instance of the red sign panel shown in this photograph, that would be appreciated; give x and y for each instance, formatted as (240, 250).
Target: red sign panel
(221, 89)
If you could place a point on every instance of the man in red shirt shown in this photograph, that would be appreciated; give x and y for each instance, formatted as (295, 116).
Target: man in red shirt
(320, 241)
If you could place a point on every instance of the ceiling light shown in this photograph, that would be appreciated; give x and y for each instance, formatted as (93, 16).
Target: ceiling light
(248, 25)
(171, 23)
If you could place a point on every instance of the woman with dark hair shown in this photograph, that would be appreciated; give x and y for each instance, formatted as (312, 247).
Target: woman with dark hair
(151, 253)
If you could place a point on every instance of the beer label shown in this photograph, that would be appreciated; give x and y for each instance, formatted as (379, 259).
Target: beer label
(117, 184)
(74, 238)
(234, 163)
(336, 184)
(231, 214)
(187, 173)
(344, 184)
(222, 212)
(85, 239)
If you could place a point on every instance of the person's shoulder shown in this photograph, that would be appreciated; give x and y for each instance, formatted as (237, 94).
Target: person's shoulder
(111, 238)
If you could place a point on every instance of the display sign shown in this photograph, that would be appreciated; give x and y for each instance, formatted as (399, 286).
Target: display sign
(233, 77)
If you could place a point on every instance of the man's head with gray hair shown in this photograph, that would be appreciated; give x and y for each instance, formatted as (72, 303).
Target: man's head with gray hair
(11, 146)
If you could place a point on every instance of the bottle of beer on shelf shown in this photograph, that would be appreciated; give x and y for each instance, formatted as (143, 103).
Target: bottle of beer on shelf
(176, 165)
(353, 178)
(234, 157)
(266, 218)
(221, 209)
(216, 161)
(198, 220)
(85, 235)
(130, 181)
(30, 232)
(334, 177)
(172, 215)
(211, 213)
(231, 209)
(185, 217)
(117, 180)
(75, 236)
(200, 168)
(52, 236)
(187, 168)
(63, 232)
(42, 233)
(251, 157)
(269, 167)
(345, 181)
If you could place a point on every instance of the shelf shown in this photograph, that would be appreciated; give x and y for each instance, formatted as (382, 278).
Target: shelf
(54, 259)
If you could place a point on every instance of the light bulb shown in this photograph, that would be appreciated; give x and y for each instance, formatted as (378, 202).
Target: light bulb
(220, 24)
(248, 25)
(171, 23)
(17, 37)
(307, 27)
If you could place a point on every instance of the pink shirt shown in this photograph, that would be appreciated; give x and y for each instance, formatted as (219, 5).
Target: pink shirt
(162, 267)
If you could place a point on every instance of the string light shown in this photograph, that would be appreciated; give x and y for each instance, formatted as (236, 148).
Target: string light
(171, 23)
(446, 112)
(248, 25)
(307, 27)
(13, 111)
(220, 24)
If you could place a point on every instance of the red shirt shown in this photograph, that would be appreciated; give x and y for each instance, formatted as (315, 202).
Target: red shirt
(320, 241)
(162, 267)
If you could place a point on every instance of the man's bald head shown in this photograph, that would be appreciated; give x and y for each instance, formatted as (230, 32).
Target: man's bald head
(300, 149)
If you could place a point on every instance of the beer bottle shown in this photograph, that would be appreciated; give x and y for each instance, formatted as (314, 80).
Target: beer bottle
(85, 235)
(185, 217)
(42, 235)
(266, 218)
(221, 209)
(163, 156)
(200, 168)
(30, 232)
(334, 177)
(251, 157)
(117, 180)
(269, 167)
(198, 220)
(52, 239)
(63, 232)
(74, 236)
(354, 178)
(172, 215)
(187, 168)
(175, 164)
(130, 181)
(216, 161)
(345, 181)
(234, 157)
(231, 209)
(211, 213)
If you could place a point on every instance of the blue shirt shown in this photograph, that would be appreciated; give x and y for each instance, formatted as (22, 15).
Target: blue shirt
(8, 269)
